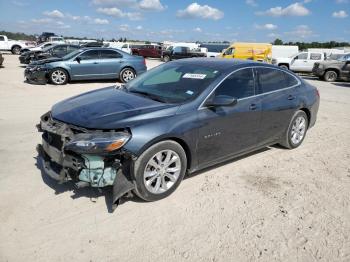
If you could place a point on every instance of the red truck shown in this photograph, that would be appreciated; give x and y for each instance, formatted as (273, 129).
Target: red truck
(154, 51)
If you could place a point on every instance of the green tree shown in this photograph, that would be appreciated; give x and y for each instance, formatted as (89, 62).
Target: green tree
(277, 42)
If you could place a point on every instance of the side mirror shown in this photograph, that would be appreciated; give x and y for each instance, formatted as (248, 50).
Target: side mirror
(221, 100)
(78, 59)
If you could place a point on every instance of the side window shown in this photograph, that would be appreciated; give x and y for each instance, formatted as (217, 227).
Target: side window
(2, 38)
(273, 79)
(177, 49)
(239, 85)
(59, 50)
(71, 48)
(290, 80)
(91, 54)
(110, 54)
(302, 56)
(315, 56)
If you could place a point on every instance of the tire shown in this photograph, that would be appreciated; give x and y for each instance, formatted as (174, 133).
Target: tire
(16, 50)
(127, 74)
(284, 67)
(166, 58)
(330, 76)
(58, 76)
(295, 133)
(153, 182)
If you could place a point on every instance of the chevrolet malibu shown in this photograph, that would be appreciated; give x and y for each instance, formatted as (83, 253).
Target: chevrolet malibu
(86, 64)
(177, 118)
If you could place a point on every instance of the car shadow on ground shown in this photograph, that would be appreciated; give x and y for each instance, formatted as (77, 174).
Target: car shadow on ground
(342, 84)
(94, 193)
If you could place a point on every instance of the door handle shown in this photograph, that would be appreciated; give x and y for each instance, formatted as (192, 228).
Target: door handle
(291, 97)
(252, 107)
(95, 63)
(121, 61)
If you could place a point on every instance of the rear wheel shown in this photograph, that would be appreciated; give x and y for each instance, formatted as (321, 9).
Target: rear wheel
(16, 50)
(330, 76)
(284, 67)
(58, 76)
(296, 131)
(127, 74)
(159, 170)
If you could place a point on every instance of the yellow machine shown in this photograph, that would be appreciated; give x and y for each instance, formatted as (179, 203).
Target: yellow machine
(252, 51)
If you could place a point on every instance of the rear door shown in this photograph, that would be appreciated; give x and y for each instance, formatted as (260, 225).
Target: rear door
(110, 63)
(230, 130)
(313, 57)
(278, 90)
(3, 43)
(87, 67)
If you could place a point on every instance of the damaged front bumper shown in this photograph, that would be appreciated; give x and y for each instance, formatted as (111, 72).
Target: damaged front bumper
(86, 157)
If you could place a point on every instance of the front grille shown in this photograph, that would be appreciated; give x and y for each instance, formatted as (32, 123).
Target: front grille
(53, 140)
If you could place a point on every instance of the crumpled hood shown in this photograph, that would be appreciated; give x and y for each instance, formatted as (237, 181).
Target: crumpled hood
(46, 61)
(109, 108)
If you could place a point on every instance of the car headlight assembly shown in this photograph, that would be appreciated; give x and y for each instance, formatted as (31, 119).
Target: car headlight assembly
(39, 68)
(98, 143)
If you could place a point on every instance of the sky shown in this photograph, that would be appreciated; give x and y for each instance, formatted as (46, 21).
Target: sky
(182, 20)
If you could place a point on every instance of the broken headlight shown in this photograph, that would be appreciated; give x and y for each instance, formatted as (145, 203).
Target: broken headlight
(104, 142)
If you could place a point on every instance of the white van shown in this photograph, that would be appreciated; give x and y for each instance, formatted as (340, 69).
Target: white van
(126, 47)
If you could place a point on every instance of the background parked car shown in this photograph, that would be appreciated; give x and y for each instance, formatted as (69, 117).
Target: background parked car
(12, 45)
(51, 51)
(332, 70)
(38, 47)
(153, 51)
(301, 62)
(86, 64)
(1, 59)
(179, 52)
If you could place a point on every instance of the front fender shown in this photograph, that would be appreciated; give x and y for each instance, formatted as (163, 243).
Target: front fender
(182, 127)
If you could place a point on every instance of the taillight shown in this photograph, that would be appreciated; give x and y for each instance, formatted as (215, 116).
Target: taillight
(144, 61)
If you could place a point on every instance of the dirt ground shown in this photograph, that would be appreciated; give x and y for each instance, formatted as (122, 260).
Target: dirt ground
(273, 205)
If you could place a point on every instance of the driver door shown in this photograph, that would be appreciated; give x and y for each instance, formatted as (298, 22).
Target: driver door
(229, 130)
(86, 65)
(299, 63)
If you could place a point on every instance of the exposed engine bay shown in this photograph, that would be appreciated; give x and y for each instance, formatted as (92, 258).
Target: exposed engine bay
(86, 157)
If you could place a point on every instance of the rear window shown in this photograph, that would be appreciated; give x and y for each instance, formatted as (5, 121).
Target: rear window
(315, 56)
(270, 79)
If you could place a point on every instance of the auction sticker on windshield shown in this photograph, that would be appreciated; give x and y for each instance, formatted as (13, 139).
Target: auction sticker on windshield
(194, 76)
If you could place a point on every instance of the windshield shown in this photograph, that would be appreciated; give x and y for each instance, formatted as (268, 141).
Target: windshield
(71, 55)
(174, 82)
(45, 49)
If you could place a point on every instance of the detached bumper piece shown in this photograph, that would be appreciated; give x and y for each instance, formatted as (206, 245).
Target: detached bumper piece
(83, 169)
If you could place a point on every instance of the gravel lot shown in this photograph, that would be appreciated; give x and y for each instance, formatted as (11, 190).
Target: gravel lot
(273, 205)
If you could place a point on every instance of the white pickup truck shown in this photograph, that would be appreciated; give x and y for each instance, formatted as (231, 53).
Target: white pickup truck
(11, 45)
(301, 62)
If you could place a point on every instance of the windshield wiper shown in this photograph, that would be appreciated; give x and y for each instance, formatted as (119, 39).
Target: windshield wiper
(149, 95)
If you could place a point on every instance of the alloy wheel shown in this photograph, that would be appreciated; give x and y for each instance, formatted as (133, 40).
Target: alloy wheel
(298, 130)
(128, 75)
(58, 77)
(162, 171)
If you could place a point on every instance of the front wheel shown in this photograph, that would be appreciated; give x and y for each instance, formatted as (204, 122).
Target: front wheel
(296, 131)
(126, 75)
(159, 170)
(330, 76)
(58, 76)
(166, 58)
(284, 67)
